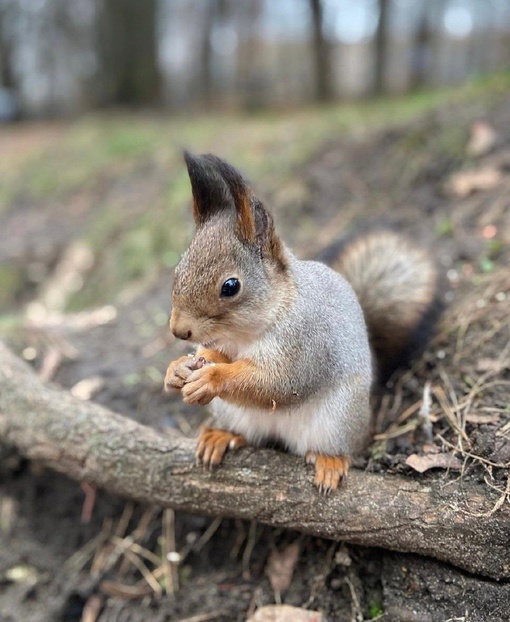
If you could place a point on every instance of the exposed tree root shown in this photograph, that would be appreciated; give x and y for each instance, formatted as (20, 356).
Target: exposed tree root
(453, 522)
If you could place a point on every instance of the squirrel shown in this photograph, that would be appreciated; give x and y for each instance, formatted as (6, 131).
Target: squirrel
(287, 348)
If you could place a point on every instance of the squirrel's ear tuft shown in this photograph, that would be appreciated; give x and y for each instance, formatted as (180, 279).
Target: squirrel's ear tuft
(270, 244)
(241, 194)
(217, 186)
(211, 193)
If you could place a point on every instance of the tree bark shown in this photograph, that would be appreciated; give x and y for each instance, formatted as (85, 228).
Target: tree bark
(420, 57)
(88, 442)
(7, 78)
(127, 52)
(381, 48)
(321, 53)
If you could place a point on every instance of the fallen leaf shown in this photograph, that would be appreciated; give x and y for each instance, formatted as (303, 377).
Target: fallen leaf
(285, 613)
(481, 140)
(492, 365)
(280, 567)
(125, 592)
(342, 557)
(465, 183)
(433, 461)
(22, 574)
(86, 389)
(482, 417)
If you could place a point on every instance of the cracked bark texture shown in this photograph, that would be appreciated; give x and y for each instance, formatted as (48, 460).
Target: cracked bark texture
(85, 441)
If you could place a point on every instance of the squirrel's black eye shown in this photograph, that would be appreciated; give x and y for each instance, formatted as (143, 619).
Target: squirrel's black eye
(230, 288)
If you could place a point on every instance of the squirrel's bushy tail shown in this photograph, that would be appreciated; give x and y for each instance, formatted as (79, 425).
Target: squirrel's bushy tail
(397, 286)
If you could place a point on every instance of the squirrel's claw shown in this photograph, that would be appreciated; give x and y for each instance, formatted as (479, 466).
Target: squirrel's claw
(330, 471)
(213, 444)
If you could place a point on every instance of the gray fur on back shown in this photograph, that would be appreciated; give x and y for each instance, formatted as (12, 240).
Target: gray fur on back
(318, 352)
(326, 327)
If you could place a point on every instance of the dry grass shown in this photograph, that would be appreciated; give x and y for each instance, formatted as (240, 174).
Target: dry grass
(468, 372)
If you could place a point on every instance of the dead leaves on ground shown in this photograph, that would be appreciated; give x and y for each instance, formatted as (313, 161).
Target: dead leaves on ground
(433, 461)
(280, 567)
(285, 613)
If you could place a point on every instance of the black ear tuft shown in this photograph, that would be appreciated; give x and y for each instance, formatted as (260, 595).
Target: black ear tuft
(211, 194)
(241, 195)
(238, 187)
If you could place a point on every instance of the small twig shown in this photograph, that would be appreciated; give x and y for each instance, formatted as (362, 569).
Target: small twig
(88, 502)
(92, 608)
(505, 494)
(51, 362)
(411, 409)
(125, 592)
(204, 617)
(396, 432)
(110, 555)
(146, 573)
(78, 559)
(240, 538)
(126, 516)
(207, 535)
(250, 545)
(449, 413)
(102, 550)
(138, 550)
(356, 611)
(499, 465)
(171, 576)
(424, 412)
(138, 533)
(197, 545)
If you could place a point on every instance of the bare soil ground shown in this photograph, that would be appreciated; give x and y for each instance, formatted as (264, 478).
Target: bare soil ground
(63, 553)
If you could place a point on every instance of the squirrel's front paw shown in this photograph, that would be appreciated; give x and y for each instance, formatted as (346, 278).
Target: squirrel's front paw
(201, 386)
(180, 370)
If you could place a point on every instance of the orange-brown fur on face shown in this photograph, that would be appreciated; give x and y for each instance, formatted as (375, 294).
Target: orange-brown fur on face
(235, 238)
(330, 471)
(240, 382)
(213, 444)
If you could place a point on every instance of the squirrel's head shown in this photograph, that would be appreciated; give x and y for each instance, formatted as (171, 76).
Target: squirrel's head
(226, 287)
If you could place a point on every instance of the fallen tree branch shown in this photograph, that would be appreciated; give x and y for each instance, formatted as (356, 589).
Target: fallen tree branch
(88, 442)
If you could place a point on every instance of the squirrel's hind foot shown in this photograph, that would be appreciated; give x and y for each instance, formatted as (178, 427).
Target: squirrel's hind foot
(330, 471)
(213, 444)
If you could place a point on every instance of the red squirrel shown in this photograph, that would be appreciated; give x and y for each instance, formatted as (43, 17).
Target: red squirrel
(287, 349)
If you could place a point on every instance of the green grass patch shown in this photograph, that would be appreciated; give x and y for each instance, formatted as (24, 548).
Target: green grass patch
(129, 167)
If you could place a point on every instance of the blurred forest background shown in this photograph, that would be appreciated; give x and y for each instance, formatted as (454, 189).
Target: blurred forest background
(59, 57)
(336, 111)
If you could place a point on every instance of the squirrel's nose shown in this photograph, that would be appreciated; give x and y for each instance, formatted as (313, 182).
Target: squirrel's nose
(182, 334)
(180, 325)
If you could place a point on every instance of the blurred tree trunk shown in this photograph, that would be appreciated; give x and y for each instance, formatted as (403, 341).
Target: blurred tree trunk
(381, 47)
(420, 59)
(321, 53)
(205, 81)
(7, 78)
(252, 77)
(127, 52)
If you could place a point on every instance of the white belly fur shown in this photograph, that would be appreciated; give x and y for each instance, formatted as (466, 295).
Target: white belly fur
(323, 424)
